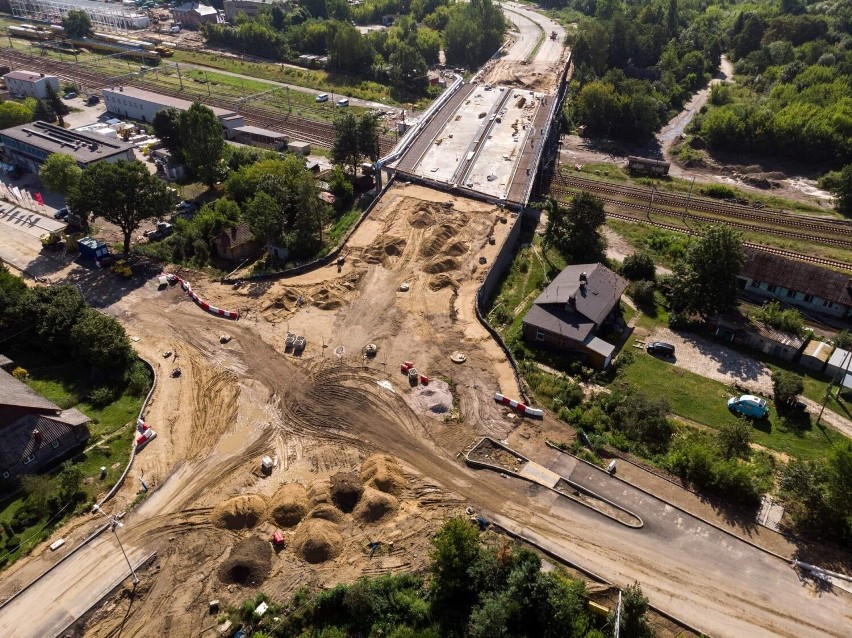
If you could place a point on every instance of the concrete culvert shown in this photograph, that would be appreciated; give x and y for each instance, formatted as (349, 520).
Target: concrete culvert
(346, 489)
(289, 505)
(249, 563)
(383, 473)
(375, 506)
(240, 512)
(318, 540)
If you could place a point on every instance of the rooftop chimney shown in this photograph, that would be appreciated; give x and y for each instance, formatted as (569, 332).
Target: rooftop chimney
(583, 277)
(38, 436)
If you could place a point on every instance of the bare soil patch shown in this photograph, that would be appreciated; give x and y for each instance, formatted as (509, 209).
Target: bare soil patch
(249, 563)
(346, 490)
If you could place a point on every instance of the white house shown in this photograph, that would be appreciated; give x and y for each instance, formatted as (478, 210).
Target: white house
(30, 84)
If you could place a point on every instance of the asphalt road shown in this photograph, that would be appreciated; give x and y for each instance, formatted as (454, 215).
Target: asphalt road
(532, 26)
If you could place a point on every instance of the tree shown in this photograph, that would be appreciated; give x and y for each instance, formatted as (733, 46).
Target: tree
(77, 24)
(56, 105)
(13, 291)
(341, 187)
(455, 549)
(644, 419)
(634, 606)
(408, 70)
(263, 215)
(705, 280)
(639, 266)
(14, 113)
(60, 173)
(574, 231)
(53, 311)
(123, 193)
(166, 125)
(100, 341)
(841, 185)
(735, 439)
(355, 138)
(202, 142)
(43, 113)
(786, 386)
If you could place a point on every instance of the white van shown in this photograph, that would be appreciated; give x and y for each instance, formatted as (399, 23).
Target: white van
(343, 102)
(322, 97)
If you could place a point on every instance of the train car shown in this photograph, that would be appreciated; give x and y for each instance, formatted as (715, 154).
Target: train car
(124, 49)
(29, 32)
(645, 166)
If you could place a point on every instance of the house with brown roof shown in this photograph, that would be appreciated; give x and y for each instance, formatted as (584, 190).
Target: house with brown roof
(568, 315)
(812, 288)
(736, 328)
(237, 243)
(34, 432)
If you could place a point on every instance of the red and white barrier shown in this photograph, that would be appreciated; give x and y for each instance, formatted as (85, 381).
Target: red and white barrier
(519, 407)
(213, 310)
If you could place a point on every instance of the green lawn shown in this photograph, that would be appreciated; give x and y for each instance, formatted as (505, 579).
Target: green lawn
(703, 400)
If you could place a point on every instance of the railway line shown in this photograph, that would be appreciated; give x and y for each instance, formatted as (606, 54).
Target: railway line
(771, 230)
(318, 133)
(727, 209)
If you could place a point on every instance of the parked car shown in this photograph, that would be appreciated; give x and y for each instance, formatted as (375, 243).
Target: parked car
(749, 405)
(69, 96)
(661, 348)
(163, 229)
(322, 97)
(186, 207)
(62, 213)
(343, 102)
(93, 99)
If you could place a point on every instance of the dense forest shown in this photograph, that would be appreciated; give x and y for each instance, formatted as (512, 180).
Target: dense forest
(636, 63)
(468, 32)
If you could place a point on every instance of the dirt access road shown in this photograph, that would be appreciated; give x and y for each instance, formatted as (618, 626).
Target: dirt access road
(513, 65)
(325, 411)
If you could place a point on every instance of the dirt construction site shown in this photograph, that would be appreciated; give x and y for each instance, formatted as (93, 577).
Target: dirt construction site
(366, 465)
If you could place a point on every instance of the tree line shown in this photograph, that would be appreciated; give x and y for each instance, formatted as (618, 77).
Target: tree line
(473, 588)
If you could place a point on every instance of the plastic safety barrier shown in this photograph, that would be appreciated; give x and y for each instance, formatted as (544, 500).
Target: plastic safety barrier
(213, 310)
(522, 408)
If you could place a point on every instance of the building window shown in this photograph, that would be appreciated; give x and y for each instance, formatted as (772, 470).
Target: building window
(827, 304)
(539, 335)
(55, 444)
(809, 298)
(29, 459)
(755, 283)
(772, 287)
(791, 294)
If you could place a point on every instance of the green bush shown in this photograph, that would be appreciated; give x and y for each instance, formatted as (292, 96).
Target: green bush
(719, 191)
(639, 266)
(138, 379)
(102, 396)
(642, 293)
(12, 542)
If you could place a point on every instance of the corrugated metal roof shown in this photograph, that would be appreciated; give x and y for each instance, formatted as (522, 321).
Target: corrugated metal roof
(797, 275)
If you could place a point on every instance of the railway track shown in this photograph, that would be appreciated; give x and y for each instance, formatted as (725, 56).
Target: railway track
(771, 230)
(318, 133)
(728, 209)
(790, 254)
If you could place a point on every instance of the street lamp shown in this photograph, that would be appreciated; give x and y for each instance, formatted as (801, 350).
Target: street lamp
(113, 524)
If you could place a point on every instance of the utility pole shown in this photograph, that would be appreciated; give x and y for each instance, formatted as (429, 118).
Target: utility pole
(115, 523)
(688, 197)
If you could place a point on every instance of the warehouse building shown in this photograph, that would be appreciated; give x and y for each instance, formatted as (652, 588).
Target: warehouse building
(30, 84)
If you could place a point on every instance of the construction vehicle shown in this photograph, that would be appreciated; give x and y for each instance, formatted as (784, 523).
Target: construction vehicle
(553, 35)
(163, 230)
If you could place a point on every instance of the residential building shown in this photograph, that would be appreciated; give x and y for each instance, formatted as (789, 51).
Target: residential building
(191, 15)
(30, 84)
(738, 329)
(569, 314)
(237, 243)
(29, 145)
(34, 432)
(840, 363)
(809, 287)
(250, 7)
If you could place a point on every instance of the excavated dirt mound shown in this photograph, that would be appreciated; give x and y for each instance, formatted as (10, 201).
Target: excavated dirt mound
(422, 217)
(319, 492)
(249, 563)
(240, 512)
(318, 540)
(327, 512)
(441, 265)
(375, 506)
(380, 253)
(383, 473)
(346, 489)
(455, 249)
(438, 240)
(439, 282)
(326, 300)
(289, 505)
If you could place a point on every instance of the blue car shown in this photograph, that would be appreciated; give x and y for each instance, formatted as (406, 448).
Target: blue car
(749, 405)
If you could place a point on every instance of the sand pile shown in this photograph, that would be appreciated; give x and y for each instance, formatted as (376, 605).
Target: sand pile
(441, 264)
(249, 563)
(433, 246)
(326, 512)
(346, 489)
(439, 282)
(319, 492)
(289, 505)
(379, 254)
(383, 473)
(375, 506)
(239, 512)
(318, 540)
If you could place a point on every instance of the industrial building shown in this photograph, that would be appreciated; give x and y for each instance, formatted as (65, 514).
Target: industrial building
(191, 15)
(30, 84)
(103, 15)
(142, 105)
(28, 145)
